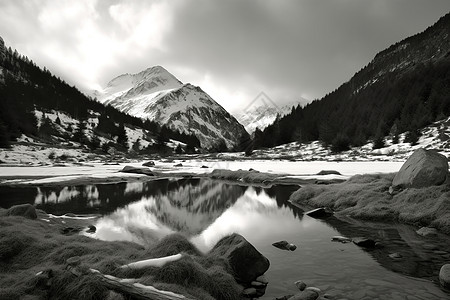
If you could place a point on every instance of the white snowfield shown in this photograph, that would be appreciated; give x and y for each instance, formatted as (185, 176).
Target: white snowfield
(299, 169)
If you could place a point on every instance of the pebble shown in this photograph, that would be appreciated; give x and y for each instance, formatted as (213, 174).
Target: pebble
(262, 279)
(395, 255)
(73, 261)
(257, 284)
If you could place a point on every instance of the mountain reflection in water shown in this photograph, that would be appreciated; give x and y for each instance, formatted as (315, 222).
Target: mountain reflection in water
(202, 209)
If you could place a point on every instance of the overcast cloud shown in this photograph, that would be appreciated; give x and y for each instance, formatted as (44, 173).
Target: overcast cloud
(233, 49)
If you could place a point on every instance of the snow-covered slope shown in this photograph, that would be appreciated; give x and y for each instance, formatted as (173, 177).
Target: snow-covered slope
(157, 95)
(435, 136)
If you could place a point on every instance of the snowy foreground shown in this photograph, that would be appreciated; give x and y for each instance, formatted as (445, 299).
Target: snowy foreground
(100, 171)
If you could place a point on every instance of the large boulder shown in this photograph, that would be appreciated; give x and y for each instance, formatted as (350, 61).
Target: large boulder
(247, 263)
(24, 210)
(444, 276)
(422, 169)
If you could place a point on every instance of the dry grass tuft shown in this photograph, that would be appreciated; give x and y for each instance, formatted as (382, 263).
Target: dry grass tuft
(30, 246)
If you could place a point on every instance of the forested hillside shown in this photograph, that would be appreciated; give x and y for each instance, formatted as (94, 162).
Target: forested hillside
(27, 93)
(403, 89)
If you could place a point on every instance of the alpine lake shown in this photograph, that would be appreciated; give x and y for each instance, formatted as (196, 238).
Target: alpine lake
(206, 210)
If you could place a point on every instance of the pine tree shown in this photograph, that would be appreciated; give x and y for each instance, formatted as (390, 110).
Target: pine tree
(340, 143)
(95, 142)
(136, 146)
(79, 134)
(179, 150)
(4, 137)
(122, 138)
(412, 137)
(394, 133)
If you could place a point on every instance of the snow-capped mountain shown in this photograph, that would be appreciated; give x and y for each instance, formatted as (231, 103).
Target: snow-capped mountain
(157, 95)
(261, 115)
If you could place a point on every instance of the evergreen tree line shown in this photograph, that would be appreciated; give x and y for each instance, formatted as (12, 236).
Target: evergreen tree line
(24, 88)
(394, 104)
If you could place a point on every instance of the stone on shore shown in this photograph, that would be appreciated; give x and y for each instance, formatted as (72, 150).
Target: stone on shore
(422, 169)
(135, 170)
(444, 276)
(247, 262)
(328, 172)
(23, 210)
(149, 163)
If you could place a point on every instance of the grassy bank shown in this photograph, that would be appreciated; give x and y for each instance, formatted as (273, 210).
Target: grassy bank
(253, 177)
(367, 197)
(30, 246)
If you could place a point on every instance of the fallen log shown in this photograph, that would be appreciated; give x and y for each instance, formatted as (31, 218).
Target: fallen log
(136, 290)
(152, 262)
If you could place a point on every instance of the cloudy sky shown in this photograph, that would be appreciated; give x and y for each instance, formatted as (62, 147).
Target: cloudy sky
(233, 49)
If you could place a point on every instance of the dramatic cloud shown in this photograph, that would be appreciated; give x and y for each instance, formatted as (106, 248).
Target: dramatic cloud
(233, 49)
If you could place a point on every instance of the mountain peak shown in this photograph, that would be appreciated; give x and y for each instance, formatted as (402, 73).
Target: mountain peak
(157, 95)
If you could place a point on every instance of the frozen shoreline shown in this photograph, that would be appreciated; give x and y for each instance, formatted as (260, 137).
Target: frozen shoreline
(99, 172)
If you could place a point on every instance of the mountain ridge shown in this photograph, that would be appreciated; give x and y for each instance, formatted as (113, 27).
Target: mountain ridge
(157, 95)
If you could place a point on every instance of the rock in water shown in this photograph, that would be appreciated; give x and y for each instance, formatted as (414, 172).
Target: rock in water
(91, 229)
(364, 242)
(246, 262)
(444, 276)
(23, 210)
(422, 169)
(301, 285)
(284, 245)
(341, 239)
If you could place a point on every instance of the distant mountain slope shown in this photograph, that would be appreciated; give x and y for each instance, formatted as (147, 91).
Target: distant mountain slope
(36, 104)
(261, 116)
(157, 95)
(403, 89)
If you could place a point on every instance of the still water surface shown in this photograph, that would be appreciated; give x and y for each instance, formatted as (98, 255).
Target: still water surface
(206, 210)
